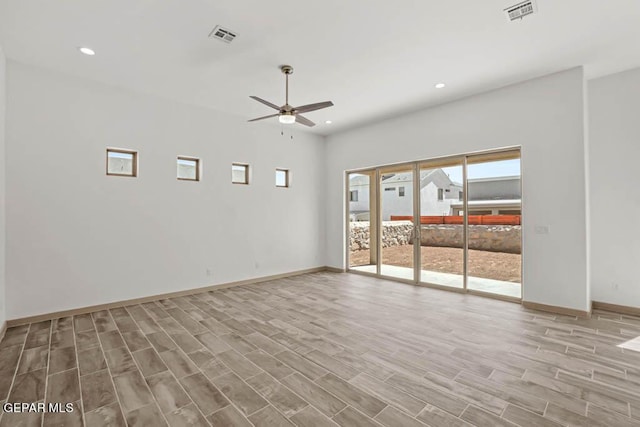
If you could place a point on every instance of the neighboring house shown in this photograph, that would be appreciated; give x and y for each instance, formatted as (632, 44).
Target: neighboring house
(439, 195)
(359, 197)
(493, 196)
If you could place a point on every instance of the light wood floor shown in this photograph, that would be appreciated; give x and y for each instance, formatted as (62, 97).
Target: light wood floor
(325, 349)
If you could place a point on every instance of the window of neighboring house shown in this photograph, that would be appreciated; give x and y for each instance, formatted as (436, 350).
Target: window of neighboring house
(390, 189)
(122, 162)
(400, 191)
(282, 178)
(240, 173)
(460, 195)
(510, 212)
(188, 168)
(479, 212)
(440, 194)
(353, 195)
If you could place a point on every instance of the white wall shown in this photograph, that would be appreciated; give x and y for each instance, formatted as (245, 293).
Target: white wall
(3, 315)
(614, 103)
(76, 237)
(546, 117)
(431, 206)
(362, 204)
(392, 203)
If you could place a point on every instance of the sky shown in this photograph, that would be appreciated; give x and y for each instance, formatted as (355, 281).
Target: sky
(119, 155)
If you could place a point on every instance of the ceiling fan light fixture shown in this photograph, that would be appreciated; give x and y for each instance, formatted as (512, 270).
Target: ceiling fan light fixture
(288, 115)
(287, 119)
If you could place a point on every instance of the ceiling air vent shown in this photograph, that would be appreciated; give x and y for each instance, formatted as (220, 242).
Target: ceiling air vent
(223, 34)
(520, 10)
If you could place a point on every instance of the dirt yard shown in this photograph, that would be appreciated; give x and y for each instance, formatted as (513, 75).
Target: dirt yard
(490, 265)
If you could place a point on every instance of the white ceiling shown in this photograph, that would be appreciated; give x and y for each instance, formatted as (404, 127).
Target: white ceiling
(372, 58)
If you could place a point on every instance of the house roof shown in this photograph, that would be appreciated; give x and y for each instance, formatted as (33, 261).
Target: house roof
(358, 180)
(494, 179)
(489, 203)
(427, 176)
(437, 176)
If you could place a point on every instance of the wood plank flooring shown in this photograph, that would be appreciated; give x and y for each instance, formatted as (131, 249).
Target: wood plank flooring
(325, 349)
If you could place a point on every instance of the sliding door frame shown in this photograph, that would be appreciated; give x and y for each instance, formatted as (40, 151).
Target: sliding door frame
(417, 225)
(491, 155)
(415, 167)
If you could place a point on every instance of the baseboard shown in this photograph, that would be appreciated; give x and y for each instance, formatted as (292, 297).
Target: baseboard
(3, 329)
(620, 309)
(335, 269)
(116, 304)
(556, 309)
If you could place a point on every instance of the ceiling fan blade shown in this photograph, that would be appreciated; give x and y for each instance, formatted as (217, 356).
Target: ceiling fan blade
(267, 103)
(264, 117)
(304, 121)
(313, 107)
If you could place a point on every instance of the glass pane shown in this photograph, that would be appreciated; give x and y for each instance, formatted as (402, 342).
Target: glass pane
(441, 225)
(495, 242)
(119, 163)
(397, 223)
(362, 237)
(187, 169)
(239, 174)
(281, 178)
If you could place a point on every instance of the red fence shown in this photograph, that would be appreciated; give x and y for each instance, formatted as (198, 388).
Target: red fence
(473, 219)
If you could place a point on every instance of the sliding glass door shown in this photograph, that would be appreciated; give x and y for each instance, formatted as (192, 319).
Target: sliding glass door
(494, 213)
(397, 223)
(362, 208)
(452, 223)
(441, 228)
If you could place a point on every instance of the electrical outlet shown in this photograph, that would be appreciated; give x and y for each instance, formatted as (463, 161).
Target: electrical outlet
(541, 229)
(614, 286)
(208, 271)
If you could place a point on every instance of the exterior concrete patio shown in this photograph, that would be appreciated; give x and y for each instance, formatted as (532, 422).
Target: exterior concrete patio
(499, 287)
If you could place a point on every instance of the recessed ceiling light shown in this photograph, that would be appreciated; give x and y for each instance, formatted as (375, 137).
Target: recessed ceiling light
(328, 122)
(87, 51)
(440, 85)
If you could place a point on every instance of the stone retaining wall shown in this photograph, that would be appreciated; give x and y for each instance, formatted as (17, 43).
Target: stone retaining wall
(395, 233)
(494, 238)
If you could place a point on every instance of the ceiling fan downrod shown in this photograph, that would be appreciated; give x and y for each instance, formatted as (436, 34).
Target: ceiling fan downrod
(287, 69)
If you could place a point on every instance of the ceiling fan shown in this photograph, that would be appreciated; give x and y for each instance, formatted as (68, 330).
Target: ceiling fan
(288, 114)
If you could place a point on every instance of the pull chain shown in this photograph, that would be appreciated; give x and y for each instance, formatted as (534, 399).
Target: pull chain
(282, 132)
